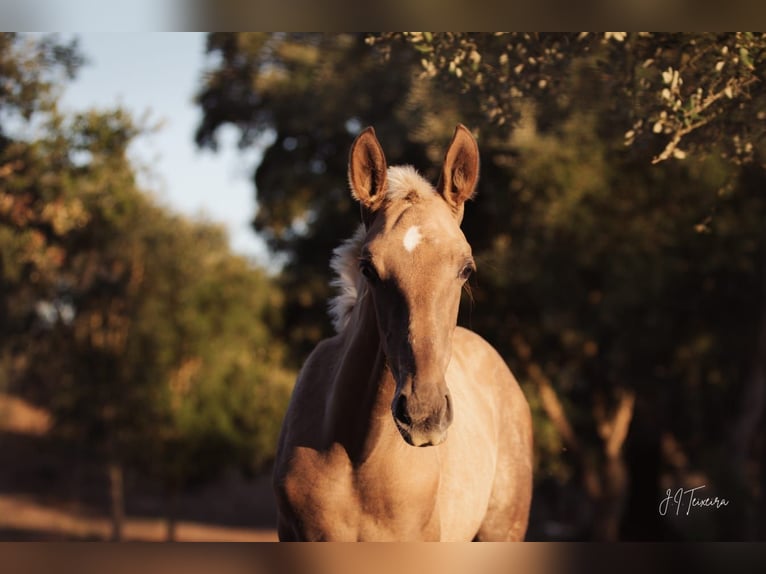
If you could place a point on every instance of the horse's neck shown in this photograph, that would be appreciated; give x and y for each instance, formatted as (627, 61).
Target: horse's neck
(363, 387)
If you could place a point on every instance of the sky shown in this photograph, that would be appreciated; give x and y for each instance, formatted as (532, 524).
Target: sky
(158, 74)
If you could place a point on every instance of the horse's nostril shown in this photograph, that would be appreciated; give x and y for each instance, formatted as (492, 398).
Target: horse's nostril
(400, 411)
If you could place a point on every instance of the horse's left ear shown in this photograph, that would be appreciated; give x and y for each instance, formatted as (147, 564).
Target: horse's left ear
(367, 173)
(461, 170)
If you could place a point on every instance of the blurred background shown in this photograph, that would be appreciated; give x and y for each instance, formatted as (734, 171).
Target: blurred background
(169, 204)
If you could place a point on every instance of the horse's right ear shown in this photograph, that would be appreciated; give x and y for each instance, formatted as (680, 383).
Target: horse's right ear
(461, 170)
(367, 171)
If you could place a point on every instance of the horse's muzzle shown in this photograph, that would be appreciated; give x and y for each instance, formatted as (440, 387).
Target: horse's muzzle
(419, 424)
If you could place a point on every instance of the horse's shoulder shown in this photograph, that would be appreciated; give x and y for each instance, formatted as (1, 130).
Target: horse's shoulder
(463, 335)
(476, 352)
(473, 343)
(496, 377)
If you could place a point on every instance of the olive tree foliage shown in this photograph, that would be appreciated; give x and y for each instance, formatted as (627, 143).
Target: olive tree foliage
(677, 93)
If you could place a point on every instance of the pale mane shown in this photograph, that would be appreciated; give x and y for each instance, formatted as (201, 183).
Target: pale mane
(348, 279)
(402, 182)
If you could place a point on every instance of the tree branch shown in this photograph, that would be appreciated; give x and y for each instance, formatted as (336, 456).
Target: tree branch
(550, 400)
(620, 423)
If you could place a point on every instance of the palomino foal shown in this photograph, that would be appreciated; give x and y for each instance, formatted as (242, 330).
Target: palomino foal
(399, 375)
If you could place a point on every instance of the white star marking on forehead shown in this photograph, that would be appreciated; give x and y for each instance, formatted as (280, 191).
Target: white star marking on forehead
(412, 238)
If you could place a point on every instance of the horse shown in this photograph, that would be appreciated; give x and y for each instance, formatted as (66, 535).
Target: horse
(400, 374)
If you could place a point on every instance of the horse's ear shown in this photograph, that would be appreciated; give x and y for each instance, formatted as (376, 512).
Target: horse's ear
(461, 170)
(367, 171)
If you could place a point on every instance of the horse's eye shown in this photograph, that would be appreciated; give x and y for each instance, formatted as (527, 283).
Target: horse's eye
(368, 270)
(466, 271)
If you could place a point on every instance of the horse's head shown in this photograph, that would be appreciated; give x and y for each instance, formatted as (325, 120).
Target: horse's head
(415, 259)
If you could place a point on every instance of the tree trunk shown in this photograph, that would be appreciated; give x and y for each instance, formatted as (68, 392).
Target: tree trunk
(743, 515)
(171, 506)
(117, 499)
(614, 474)
(643, 458)
(611, 505)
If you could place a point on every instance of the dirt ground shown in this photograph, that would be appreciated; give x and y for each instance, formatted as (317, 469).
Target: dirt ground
(49, 492)
(24, 519)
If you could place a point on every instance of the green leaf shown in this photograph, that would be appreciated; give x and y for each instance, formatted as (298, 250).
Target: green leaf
(744, 56)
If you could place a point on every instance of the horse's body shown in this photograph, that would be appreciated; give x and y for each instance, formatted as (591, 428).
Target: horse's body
(399, 374)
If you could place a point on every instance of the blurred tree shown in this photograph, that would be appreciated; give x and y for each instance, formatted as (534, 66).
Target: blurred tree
(64, 181)
(621, 287)
(30, 231)
(204, 328)
(148, 340)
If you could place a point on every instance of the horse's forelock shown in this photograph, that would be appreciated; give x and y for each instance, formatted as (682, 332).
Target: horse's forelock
(404, 182)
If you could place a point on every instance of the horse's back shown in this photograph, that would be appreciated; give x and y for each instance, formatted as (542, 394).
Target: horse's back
(490, 446)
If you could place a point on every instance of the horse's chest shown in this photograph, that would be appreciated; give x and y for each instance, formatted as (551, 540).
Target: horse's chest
(331, 499)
